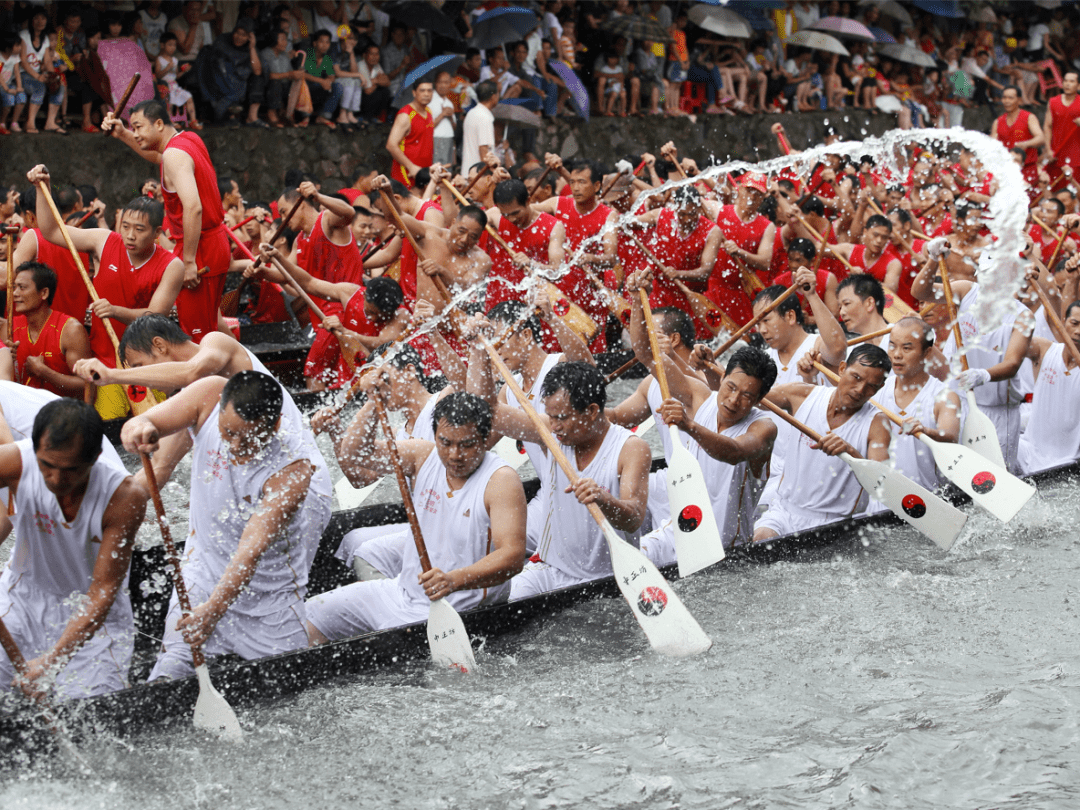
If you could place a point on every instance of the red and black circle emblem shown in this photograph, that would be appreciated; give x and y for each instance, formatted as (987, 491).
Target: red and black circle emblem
(136, 393)
(652, 601)
(713, 317)
(914, 506)
(521, 446)
(983, 482)
(561, 307)
(689, 518)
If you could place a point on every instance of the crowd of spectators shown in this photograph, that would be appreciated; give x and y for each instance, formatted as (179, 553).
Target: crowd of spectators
(341, 64)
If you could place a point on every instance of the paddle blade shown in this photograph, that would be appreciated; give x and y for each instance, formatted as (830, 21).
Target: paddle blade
(697, 537)
(507, 449)
(915, 505)
(991, 486)
(349, 497)
(212, 711)
(980, 434)
(448, 638)
(667, 623)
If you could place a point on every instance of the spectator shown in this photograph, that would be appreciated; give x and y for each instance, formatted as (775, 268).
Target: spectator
(281, 77)
(72, 49)
(396, 58)
(37, 57)
(376, 100)
(650, 69)
(479, 129)
(470, 68)
(558, 95)
(192, 30)
(679, 66)
(497, 70)
(532, 84)
(553, 29)
(320, 70)
(568, 44)
(798, 71)
(156, 23)
(410, 142)
(165, 70)
(230, 74)
(442, 111)
(611, 85)
(348, 73)
(11, 88)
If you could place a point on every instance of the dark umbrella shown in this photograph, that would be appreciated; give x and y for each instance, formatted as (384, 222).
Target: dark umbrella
(940, 8)
(636, 28)
(424, 16)
(577, 90)
(427, 70)
(501, 25)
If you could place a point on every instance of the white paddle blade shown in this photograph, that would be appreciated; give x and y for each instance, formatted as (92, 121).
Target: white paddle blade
(507, 449)
(990, 486)
(212, 711)
(915, 505)
(979, 433)
(349, 497)
(698, 543)
(448, 638)
(667, 623)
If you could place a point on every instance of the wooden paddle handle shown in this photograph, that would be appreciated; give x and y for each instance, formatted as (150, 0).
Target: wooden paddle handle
(1055, 321)
(950, 306)
(870, 336)
(307, 299)
(1057, 249)
(171, 556)
(654, 346)
(376, 248)
(1049, 231)
(395, 213)
(282, 225)
(539, 183)
(757, 319)
(10, 310)
(403, 484)
(472, 182)
(611, 184)
(821, 239)
(791, 420)
(124, 98)
(625, 367)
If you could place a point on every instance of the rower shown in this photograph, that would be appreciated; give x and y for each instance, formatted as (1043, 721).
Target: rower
(925, 403)
(471, 509)
(817, 490)
(1052, 438)
(966, 243)
(260, 500)
(875, 256)
(134, 276)
(63, 593)
(614, 468)
(748, 238)
(427, 211)
(801, 253)
(49, 342)
(862, 304)
(1051, 211)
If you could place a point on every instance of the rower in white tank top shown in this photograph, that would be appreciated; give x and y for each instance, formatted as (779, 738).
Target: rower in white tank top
(1025, 377)
(1052, 438)
(786, 435)
(572, 547)
(49, 574)
(819, 489)
(456, 527)
(910, 456)
(291, 418)
(268, 616)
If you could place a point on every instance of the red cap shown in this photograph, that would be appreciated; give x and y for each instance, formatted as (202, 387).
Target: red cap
(754, 181)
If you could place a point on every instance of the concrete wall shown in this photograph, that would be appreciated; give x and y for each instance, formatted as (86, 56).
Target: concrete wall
(258, 158)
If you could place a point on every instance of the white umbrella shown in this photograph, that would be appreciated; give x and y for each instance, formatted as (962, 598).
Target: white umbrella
(818, 42)
(722, 21)
(985, 14)
(890, 8)
(905, 53)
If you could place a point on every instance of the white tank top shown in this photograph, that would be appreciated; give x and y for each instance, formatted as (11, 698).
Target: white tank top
(53, 557)
(786, 435)
(291, 418)
(1052, 437)
(423, 428)
(570, 539)
(534, 451)
(733, 488)
(911, 456)
(986, 349)
(224, 496)
(814, 483)
(456, 529)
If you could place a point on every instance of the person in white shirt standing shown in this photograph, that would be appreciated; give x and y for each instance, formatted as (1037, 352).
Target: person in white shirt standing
(479, 133)
(442, 112)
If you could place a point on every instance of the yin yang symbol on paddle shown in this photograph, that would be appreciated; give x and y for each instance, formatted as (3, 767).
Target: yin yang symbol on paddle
(983, 482)
(914, 506)
(689, 518)
(652, 601)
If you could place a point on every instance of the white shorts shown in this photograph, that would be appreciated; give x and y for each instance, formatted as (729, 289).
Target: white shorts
(659, 507)
(381, 546)
(535, 515)
(659, 545)
(540, 577)
(364, 607)
(36, 623)
(238, 633)
(785, 521)
(1006, 419)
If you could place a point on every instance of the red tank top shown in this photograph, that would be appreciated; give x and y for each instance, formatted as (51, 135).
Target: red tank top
(858, 259)
(1011, 134)
(682, 253)
(47, 347)
(908, 273)
(725, 286)
(418, 145)
(118, 282)
(579, 227)
(407, 266)
(205, 178)
(1064, 141)
(72, 298)
(533, 241)
(331, 262)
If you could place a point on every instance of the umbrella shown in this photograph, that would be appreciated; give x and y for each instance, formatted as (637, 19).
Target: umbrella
(519, 116)
(815, 40)
(122, 60)
(635, 28)
(881, 36)
(843, 27)
(501, 25)
(756, 5)
(905, 53)
(940, 8)
(720, 21)
(424, 16)
(891, 8)
(983, 15)
(577, 90)
(427, 70)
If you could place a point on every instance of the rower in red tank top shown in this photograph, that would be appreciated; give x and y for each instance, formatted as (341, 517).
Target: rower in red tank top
(575, 284)
(417, 142)
(879, 268)
(407, 267)
(682, 251)
(47, 346)
(534, 240)
(741, 224)
(1015, 126)
(71, 296)
(1062, 131)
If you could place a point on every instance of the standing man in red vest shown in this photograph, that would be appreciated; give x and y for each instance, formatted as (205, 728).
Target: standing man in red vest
(748, 240)
(412, 138)
(1017, 128)
(1061, 127)
(193, 212)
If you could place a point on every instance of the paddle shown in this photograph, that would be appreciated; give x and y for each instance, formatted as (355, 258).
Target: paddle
(212, 711)
(1055, 321)
(242, 223)
(230, 301)
(447, 636)
(698, 543)
(989, 485)
(667, 623)
(625, 367)
(9, 245)
(124, 99)
(473, 182)
(756, 319)
(979, 432)
(915, 505)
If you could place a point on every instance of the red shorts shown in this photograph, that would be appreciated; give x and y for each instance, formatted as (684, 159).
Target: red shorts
(198, 308)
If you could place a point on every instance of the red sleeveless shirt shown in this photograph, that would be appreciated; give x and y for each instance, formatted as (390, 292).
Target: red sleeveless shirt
(725, 287)
(575, 284)
(505, 276)
(407, 266)
(72, 298)
(418, 145)
(47, 347)
(205, 178)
